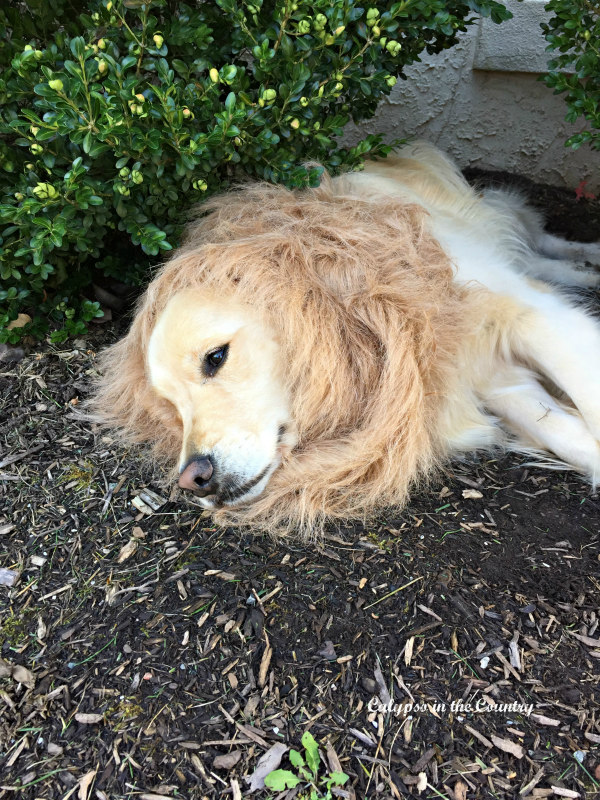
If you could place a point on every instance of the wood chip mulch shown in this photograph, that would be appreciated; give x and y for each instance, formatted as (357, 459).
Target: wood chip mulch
(451, 650)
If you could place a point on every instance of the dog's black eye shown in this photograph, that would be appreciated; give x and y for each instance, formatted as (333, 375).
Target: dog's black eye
(214, 360)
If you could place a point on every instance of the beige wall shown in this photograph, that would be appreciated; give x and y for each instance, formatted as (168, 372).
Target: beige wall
(482, 102)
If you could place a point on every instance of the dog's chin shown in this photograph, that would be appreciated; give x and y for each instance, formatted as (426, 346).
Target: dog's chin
(214, 503)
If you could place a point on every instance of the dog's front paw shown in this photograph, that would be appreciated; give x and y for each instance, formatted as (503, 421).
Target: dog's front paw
(590, 254)
(585, 275)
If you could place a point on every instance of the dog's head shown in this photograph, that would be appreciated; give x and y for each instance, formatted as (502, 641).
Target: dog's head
(293, 353)
(215, 360)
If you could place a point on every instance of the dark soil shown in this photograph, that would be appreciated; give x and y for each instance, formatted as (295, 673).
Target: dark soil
(139, 649)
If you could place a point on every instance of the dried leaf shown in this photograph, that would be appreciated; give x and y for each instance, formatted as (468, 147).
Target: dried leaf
(19, 322)
(127, 551)
(111, 593)
(471, 494)
(219, 573)
(24, 676)
(251, 705)
(267, 763)
(85, 784)
(199, 767)
(88, 719)
(328, 651)
(42, 630)
(227, 761)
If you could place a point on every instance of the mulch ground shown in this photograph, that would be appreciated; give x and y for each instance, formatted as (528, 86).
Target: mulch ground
(451, 649)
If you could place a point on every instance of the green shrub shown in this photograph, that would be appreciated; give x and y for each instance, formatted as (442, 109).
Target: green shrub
(574, 32)
(116, 117)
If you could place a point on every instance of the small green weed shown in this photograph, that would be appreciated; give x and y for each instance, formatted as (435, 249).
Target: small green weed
(82, 473)
(318, 787)
(13, 630)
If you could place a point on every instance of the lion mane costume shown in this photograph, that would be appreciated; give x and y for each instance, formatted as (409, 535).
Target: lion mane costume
(369, 320)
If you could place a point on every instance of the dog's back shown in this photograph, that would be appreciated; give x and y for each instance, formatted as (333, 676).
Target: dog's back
(421, 174)
(486, 231)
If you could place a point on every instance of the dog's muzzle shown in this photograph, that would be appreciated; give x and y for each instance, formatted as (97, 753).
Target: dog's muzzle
(201, 476)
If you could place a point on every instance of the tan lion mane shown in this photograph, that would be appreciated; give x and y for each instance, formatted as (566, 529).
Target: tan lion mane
(369, 321)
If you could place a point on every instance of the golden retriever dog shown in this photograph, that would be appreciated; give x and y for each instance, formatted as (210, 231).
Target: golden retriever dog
(312, 355)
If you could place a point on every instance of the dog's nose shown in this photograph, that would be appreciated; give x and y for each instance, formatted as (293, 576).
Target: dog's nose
(199, 476)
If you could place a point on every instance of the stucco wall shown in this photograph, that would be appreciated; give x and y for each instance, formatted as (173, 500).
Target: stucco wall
(477, 103)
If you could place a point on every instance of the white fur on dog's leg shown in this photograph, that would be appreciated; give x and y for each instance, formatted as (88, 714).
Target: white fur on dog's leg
(564, 343)
(568, 273)
(555, 247)
(517, 398)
